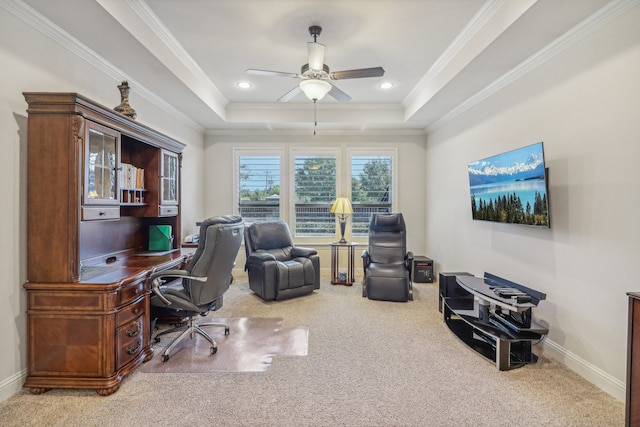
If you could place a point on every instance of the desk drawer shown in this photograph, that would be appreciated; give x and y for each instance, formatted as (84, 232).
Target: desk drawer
(130, 341)
(167, 210)
(99, 213)
(130, 292)
(129, 312)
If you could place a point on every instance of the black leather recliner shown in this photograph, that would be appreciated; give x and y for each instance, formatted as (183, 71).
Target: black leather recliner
(387, 263)
(277, 269)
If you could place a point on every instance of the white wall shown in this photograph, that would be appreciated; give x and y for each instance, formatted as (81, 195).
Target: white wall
(32, 62)
(411, 176)
(585, 106)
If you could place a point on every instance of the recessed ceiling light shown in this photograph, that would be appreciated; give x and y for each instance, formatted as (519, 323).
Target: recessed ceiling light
(244, 85)
(386, 85)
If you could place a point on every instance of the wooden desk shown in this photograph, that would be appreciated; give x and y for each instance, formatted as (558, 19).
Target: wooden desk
(88, 220)
(335, 263)
(91, 333)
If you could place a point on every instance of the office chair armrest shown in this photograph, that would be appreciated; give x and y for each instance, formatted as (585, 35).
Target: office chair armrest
(155, 281)
(299, 251)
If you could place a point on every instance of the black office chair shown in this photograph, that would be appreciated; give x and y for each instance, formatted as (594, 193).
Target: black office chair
(387, 263)
(200, 288)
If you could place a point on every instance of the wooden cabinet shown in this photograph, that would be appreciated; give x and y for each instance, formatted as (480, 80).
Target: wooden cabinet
(75, 336)
(169, 184)
(87, 292)
(101, 163)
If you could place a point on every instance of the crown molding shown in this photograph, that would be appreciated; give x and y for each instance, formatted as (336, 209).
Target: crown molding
(321, 132)
(467, 34)
(591, 24)
(142, 23)
(488, 24)
(37, 21)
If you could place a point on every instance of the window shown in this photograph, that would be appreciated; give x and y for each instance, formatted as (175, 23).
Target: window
(259, 187)
(371, 188)
(315, 191)
(299, 185)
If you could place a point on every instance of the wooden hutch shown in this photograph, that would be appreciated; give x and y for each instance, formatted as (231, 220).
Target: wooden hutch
(97, 181)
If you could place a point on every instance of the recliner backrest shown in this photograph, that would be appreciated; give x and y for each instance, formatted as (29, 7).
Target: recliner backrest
(220, 239)
(273, 237)
(387, 238)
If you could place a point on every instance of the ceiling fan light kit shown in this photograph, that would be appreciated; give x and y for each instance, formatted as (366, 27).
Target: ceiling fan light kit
(315, 89)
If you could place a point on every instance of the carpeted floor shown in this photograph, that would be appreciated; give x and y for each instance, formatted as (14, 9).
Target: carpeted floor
(369, 363)
(250, 347)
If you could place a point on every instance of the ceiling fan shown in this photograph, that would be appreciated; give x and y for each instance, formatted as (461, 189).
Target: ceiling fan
(315, 74)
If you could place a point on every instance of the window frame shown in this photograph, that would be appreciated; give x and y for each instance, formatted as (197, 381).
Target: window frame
(293, 154)
(253, 152)
(372, 152)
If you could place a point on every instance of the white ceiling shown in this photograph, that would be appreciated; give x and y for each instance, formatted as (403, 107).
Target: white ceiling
(440, 55)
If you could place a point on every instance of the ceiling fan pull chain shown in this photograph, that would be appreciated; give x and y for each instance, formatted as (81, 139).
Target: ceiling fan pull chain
(315, 115)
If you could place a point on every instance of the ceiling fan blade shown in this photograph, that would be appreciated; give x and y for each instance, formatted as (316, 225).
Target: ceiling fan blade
(357, 74)
(316, 55)
(339, 95)
(290, 95)
(271, 73)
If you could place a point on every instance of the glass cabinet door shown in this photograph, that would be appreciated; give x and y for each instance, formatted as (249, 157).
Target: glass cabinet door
(101, 165)
(169, 178)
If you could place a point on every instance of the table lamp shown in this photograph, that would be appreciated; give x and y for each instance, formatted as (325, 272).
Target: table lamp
(342, 207)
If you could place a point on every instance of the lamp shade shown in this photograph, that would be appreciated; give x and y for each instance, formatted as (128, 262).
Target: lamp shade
(341, 206)
(315, 89)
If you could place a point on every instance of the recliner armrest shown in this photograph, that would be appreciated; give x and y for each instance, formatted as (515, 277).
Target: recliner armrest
(366, 259)
(408, 260)
(155, 281)
(261, 257)
(299, 251)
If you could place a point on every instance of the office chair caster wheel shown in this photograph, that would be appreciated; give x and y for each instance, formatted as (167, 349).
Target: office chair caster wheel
(226, 330)
(214, 350)
(165, 357)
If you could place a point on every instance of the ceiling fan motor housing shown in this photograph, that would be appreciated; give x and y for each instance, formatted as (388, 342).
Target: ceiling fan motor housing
(309, 73)
(315, 31)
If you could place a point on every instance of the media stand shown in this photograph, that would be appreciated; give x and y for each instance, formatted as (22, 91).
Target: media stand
(495, 318)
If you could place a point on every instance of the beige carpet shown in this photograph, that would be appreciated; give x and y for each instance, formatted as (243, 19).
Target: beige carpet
(369, 363)
(250, 347)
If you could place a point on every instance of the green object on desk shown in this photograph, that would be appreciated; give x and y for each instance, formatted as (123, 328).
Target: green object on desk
(160, 237)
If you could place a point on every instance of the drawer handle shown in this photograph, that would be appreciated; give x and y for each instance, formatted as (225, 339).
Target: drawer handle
(131, 333)
(130, 350)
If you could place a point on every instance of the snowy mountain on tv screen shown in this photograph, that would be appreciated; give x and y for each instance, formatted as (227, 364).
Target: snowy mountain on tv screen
(518, 165)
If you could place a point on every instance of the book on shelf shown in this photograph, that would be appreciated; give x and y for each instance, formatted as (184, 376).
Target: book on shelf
(131, 176)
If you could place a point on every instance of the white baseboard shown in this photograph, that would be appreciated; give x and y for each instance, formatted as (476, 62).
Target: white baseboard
(591, 373)
(12, 385)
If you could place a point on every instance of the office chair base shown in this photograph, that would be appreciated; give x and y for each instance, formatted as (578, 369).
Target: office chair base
(190, 329)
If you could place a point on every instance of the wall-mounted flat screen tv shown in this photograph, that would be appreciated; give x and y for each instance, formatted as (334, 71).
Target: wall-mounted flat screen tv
(511, 187)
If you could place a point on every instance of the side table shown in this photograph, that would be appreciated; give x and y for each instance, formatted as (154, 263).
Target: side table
(335, 263)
